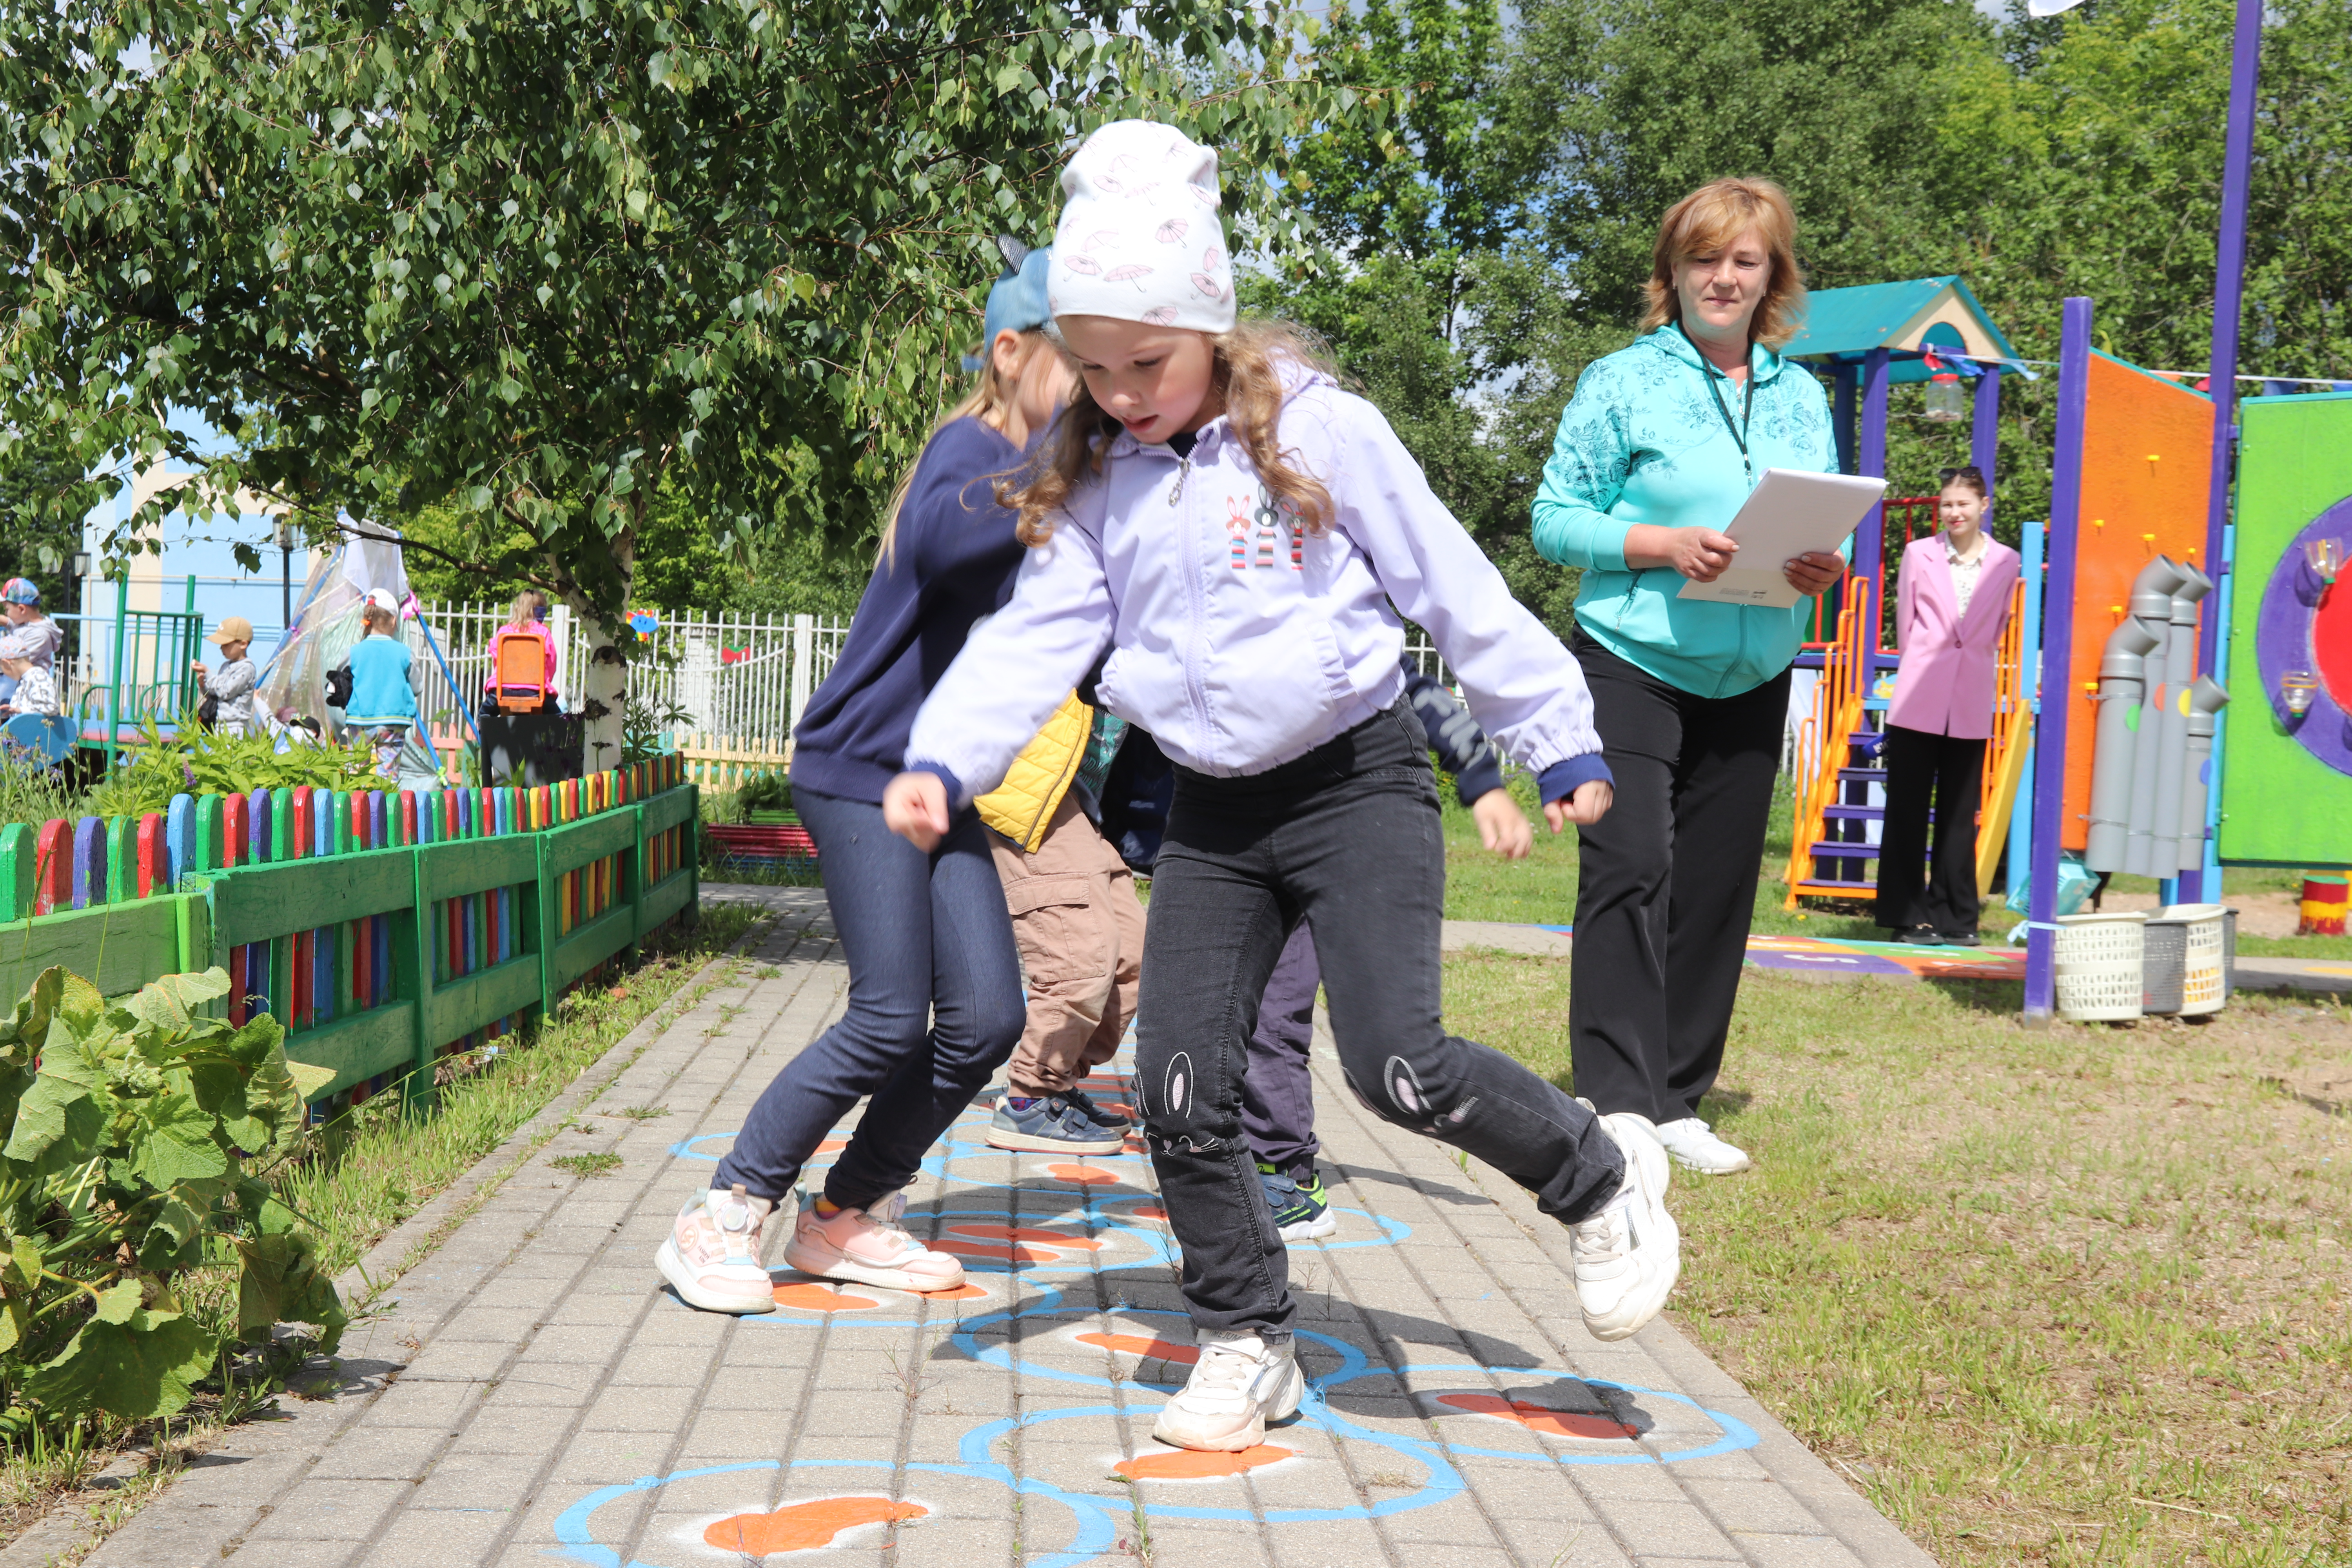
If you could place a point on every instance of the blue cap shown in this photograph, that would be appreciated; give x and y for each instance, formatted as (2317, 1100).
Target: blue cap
(1016, 304)
(20, 592)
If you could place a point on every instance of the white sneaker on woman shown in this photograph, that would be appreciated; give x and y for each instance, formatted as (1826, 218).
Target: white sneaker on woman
(1692, 1143)
(1629, 1254)
(1239, 1384)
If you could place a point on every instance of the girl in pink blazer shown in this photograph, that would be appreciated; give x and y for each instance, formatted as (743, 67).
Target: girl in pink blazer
(1951, 603)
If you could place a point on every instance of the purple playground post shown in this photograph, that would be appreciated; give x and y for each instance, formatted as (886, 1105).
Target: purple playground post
(1984, 427)
(2057, 659)
(2229, 304)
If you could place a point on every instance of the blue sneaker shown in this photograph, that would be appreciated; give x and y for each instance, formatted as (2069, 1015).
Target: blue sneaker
(1302, 1210)
(1050, 1125)
(1116, 1120)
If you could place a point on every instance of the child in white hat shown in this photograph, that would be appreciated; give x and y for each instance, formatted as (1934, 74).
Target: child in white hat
(1233, 528)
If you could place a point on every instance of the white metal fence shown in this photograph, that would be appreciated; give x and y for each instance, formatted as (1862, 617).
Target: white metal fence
(723, 683)
(741, 679)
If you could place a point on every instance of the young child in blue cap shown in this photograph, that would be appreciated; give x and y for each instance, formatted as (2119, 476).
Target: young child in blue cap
(935, 1002)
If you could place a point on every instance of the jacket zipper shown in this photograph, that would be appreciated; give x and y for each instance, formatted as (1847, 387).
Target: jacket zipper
(1189, 555)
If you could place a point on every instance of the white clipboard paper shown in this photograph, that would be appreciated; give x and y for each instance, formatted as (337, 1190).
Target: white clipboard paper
(1789, 513)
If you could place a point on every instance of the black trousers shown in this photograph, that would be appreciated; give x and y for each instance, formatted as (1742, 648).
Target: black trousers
(1347, 838)
(1667, 887)
(1951, 770)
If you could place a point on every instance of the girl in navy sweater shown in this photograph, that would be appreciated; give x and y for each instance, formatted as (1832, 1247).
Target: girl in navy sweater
(926, 935)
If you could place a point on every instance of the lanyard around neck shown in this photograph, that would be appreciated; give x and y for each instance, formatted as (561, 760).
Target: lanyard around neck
(1748, 407)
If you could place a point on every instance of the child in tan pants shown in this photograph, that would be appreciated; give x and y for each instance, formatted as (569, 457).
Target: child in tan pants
(1079, 927)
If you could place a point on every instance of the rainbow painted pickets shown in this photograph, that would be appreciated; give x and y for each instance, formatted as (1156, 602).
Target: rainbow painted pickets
(412, 946)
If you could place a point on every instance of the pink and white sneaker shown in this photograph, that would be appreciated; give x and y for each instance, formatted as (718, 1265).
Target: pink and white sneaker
(869, 1246)
(712, 1254)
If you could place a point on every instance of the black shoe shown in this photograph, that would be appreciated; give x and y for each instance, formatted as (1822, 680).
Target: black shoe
(1920, 936)
(1960, 939)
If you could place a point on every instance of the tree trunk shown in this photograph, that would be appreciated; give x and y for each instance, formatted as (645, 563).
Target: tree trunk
(604, 684)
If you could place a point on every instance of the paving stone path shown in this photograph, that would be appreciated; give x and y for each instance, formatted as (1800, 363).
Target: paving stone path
(531, 1393)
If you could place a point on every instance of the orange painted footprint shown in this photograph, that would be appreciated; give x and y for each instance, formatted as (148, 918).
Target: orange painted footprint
(1540, 1419)
(800, 1526)
(1147, 1346)
(1186, 1464)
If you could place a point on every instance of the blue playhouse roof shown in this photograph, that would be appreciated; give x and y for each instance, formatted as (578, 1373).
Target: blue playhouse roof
(1842, 326)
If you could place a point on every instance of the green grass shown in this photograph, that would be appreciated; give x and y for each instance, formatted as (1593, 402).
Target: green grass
(1541, 889)
(2058, 1297)
(596, 1165)
(389, 1161)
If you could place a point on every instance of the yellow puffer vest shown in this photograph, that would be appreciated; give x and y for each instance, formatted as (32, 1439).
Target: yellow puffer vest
(1022, 807)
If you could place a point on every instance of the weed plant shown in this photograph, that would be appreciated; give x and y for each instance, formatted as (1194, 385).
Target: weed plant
(357, 1177)
(212, 763)
(32, 794)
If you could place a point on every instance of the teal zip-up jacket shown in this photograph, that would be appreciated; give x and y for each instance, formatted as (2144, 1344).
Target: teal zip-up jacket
(1645, 441)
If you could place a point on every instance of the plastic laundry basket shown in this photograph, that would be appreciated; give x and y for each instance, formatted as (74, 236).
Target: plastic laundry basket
(2163, 954)
(2204, 960)
(2098, 965)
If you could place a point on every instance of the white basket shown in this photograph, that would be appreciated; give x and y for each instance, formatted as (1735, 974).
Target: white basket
(2202, 973)
(2098, 965)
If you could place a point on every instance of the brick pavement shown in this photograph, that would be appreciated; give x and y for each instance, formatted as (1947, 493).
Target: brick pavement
(532, 1394)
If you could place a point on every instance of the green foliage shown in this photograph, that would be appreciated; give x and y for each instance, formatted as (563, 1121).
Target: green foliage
(38, 537)
(765, 792)
(32, 793)
(539, 262)
(141, 1137)
(211, 762)
(1496, 237)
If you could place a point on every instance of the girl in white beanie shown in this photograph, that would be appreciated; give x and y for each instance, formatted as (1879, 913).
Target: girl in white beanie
(1233, 528)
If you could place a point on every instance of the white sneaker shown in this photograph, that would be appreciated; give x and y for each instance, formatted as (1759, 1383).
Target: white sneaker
(712, 1253)
(1693, 1144)
(1629, 1253)
(1239, 1384)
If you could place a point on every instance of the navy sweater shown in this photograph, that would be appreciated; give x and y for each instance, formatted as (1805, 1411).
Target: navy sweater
(955, 561)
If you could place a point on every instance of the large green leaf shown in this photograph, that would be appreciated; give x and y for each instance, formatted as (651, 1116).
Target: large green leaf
(174, 1143)
(282, 1283)
(144, 1367)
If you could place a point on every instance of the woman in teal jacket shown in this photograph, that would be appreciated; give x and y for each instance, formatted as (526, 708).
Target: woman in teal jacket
(1659, 449)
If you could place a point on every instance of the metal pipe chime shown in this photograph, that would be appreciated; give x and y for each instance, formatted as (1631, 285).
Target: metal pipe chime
(2155, 739)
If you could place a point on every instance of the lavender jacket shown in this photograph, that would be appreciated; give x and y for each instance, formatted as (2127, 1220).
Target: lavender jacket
(1240, 639)
(1947, 682)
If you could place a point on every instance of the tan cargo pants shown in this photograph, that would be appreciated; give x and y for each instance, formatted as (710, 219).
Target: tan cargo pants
(1079, 927)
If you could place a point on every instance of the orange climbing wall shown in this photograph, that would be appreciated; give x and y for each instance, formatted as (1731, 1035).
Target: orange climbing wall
(2147, 454)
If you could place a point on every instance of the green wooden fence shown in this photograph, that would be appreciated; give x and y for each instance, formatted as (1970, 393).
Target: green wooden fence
(383, 931)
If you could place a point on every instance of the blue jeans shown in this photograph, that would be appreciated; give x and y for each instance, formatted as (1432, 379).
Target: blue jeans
(924, 935)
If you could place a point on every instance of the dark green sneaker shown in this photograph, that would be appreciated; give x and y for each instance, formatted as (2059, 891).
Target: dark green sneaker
(1302, 1210)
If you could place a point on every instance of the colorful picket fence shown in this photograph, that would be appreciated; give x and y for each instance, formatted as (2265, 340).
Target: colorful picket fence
(382, 929)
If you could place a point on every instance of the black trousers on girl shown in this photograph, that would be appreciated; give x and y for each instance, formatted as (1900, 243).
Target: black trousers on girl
(1910, 892)
(1347, 838)
(1667, 884)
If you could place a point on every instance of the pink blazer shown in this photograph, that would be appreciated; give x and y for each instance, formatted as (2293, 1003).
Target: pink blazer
(1946, 684)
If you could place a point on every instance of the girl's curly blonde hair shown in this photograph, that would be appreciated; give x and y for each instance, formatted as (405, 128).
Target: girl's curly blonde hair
(1246, 380)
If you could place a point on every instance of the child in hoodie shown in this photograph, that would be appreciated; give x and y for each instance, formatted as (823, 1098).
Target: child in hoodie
(934, 981)
(1233, 527)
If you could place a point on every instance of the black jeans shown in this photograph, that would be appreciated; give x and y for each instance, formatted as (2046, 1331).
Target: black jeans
(934, 1008)
(1667, 884)
(1347, 838)
(1919, 765)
